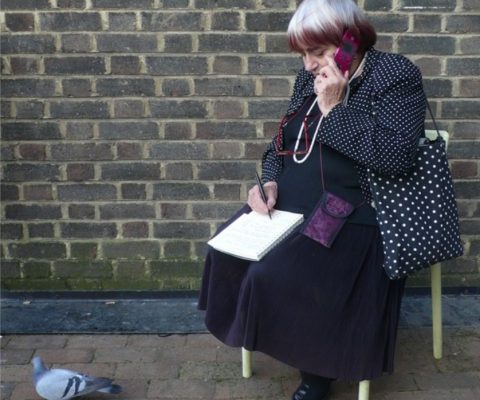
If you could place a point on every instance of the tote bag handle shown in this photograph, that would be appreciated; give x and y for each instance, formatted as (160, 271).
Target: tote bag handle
(433, 120)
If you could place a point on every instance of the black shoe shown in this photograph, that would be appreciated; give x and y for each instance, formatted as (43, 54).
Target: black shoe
(308, 392)
(301, 392)
(312, 387)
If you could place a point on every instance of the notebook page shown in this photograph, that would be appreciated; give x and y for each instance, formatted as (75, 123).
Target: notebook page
(253, 234)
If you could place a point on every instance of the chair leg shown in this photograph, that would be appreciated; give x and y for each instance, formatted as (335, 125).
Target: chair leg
(436, 278)
(363, 390)
(363, 386)
(246, 363)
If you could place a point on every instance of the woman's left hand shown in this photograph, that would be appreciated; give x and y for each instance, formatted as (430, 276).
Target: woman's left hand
(330, 85)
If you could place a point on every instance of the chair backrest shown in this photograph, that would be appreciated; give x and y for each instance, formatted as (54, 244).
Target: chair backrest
(432, 135)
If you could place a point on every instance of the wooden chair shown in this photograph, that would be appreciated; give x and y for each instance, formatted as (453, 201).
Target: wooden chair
(436, 289)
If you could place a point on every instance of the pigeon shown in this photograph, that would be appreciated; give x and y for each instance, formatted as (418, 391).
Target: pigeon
(63, 384)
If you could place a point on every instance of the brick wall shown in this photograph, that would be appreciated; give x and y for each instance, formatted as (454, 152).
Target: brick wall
(131, 129)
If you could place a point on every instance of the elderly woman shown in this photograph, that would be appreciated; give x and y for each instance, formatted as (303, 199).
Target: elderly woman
(329, 311)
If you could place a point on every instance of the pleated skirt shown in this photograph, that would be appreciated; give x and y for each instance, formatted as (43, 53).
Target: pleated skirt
(327, 311)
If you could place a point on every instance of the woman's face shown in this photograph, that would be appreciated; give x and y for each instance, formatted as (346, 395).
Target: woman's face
(315, 59)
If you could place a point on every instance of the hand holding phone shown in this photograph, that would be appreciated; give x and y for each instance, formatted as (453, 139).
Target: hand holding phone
(345, 53)
(329, 85)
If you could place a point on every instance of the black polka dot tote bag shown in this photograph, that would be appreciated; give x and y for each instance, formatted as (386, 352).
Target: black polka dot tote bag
(417, 212)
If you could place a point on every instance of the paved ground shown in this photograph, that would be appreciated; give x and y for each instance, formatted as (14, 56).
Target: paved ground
(197, 366)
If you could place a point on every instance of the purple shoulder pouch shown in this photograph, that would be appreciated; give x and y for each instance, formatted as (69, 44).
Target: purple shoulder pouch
(328, 217)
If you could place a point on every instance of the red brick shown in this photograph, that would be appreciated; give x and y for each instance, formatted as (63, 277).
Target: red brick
(64, 356)
(92, 341)
(125, 354)
(447, 381)
(16, 373)
(80, 172)
(24, 391)
(19, 22)
(134, 389)
(469, 87)
(37, 192)
(248, 388)
(157, 342)
(4, 341)
(227, 150)
(181, 354)
(37, 341)
(129, 151)
(225, 109)
(151, 371)
(32, 151)
(464, 169)
(92, 369)
(137, 229)
(176, 389)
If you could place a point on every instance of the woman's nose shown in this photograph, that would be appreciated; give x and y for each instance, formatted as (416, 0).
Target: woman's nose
(310, 63)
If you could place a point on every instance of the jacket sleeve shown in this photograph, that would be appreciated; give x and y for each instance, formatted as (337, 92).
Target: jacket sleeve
(384, 139)
(272, 164)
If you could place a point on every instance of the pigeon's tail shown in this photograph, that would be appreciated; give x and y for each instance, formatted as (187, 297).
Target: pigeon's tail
(112, 389)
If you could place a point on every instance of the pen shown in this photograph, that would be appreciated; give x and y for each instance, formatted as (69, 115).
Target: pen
(262, 191)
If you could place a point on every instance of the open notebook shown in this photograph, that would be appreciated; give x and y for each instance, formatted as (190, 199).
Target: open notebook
(253, 235)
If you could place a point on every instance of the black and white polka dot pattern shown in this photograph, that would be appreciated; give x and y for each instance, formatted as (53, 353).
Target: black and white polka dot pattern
(379, 127)
(417, 213)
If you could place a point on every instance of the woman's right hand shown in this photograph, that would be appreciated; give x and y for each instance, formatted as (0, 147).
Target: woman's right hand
(255, 198)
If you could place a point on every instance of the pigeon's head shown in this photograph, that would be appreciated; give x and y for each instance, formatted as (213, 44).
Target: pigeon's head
(38, 366)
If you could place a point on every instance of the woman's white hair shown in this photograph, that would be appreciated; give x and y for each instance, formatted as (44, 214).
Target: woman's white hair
(326, 18)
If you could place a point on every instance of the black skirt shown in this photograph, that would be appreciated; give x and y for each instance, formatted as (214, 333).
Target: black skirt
(331, 312)
(327, 311)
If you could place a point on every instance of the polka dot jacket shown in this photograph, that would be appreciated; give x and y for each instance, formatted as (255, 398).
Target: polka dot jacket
(380, 125)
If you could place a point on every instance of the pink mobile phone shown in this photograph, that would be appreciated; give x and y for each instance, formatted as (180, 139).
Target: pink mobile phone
(345, 53)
